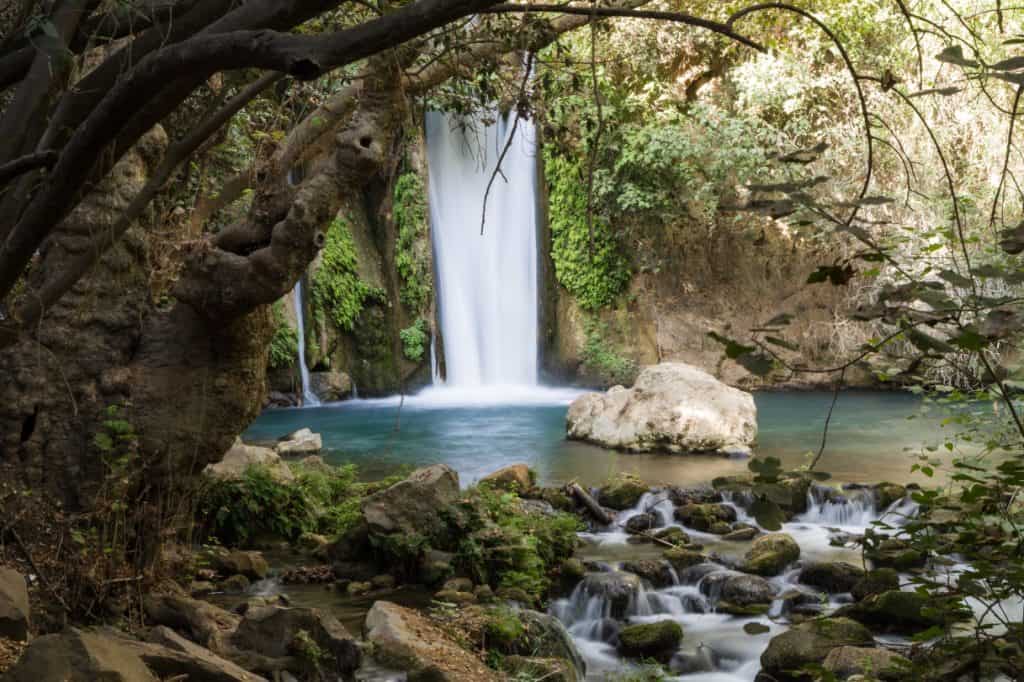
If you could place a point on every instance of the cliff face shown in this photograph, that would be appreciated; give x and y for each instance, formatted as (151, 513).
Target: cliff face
(729, 281)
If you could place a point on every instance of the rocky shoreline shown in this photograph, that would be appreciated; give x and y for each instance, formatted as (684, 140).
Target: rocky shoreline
(522, 582)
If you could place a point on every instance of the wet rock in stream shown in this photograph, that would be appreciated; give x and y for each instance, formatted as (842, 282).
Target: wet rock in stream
(616, 588)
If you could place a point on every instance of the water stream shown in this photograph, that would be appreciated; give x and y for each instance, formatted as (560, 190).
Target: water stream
(309, 398)
(486, 280)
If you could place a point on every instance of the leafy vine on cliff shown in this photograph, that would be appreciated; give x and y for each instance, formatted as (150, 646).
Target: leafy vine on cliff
(284, 345)
(412, 250)
(338, 290)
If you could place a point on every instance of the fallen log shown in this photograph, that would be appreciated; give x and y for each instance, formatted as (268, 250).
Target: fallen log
(575, 490)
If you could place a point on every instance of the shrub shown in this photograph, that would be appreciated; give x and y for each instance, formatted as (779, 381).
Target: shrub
(415, 340)
(412, 255)
(338, 291)
(602, 358)
(284, 345)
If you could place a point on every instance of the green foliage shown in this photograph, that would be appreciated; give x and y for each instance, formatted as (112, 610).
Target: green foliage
(600, 356)
(322, 500)
(415, 340)
(503, 627)
(412, 250)
(284, 345)
(590, 266)
(338, 291)
(505, 546)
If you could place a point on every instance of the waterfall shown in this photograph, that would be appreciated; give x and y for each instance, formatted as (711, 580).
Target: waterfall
(309, 398)
(487, 284)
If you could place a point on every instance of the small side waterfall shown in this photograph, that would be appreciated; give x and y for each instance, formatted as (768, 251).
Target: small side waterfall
(487, 284)
(309, 398)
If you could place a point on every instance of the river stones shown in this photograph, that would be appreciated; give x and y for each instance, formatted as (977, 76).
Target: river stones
(672, 407)
(657, 573)
(14, 606)
(875, 582)
(895, 553)
(272, 631)
(299, 443)
(888, 493)
(658, 640)
(710, 518)
(641, 523)
(79, 656)
(674, 535)
(809, 643)
(684, 557)
(738, 593)
(229, 562)
(905, 612)
(615, 587)
(831, 576)
(413, 506)
(622, 492)
(237, 460)
(770, 554)
(882, 664)
(742, 534)
(171, 656)
(516, 477)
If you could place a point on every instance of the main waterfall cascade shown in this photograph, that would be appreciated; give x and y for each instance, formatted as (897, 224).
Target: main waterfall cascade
(487, 283)
(309, 398)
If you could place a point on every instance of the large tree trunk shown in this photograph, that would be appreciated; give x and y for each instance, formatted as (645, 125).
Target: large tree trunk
(188, 375)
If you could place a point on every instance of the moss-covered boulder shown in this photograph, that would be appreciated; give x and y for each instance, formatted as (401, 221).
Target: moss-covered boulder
(738, 589)
(79, 656)
(684, 557)
(706, 517)
(616, 587)
(831, 576)
(810, 643)
(905, 612)
(657, 640)
(622, 492)
(888, 493)
(876, 582)
(674, 536)
(516, 477)
(657, 573)
(895, 553)
(770, 554)
(874, 663)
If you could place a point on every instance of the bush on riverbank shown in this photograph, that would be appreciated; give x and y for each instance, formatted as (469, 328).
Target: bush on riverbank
(322, 499)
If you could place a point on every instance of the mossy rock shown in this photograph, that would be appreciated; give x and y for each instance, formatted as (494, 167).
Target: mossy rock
(502, 628)
(770, 554)
(888, 493)
(657, 641)
(898, 554)
(622, 492)
(573, 570)
(674, 535)
(906, 612)
(742, 609)
(706, 517)
(831, 576)
(875, 582)
(809, 643)
(683, 557)
(846, 661)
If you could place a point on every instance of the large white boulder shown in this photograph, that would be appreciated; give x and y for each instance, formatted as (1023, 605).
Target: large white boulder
(299, 443)
(672, 407)
(241, 456)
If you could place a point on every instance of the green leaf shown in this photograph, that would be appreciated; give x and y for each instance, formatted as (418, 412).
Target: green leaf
(767, 469)
(776, 341)
(954, 54)
(756, 628)
(768, 514)
(758, 364)
(733, 349)
(969, 339)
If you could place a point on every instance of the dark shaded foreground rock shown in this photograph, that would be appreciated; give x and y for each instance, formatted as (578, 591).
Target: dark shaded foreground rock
(79, 656)
(876, 582)
(658, 640)
(809, 643)
(880, 664)
(203, 622)
(168, 654)
(544, 635)
(405, 640)
(279, 631)
(14, 606)
(831, 576)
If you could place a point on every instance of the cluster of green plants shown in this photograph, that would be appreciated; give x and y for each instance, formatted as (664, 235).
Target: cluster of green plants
(338, 291)
(587, 255)
(412, 254)
(600, 356)
(284, 344)
(415, 340)
(506, 547)
(320, 499)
